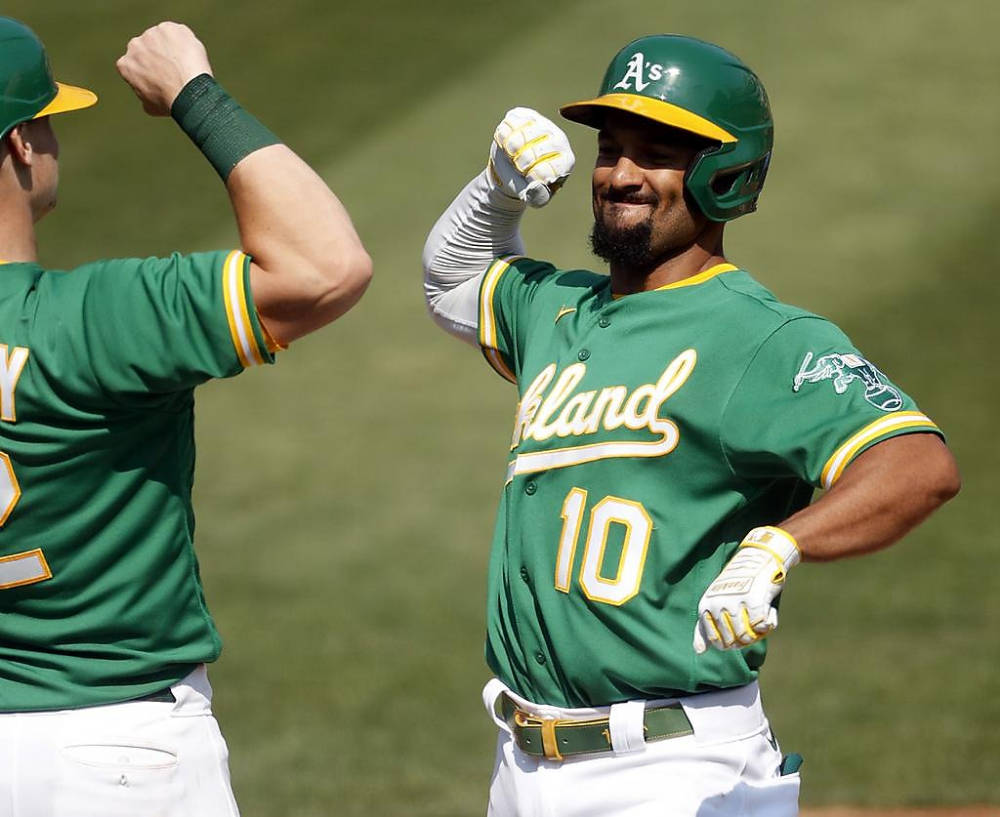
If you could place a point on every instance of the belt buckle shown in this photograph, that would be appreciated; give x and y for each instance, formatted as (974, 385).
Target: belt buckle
(550, 745)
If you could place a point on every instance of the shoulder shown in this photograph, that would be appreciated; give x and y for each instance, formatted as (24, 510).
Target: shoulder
(519, 269)
(206, 283)
(757, 305)
(749, 293)
(213, 260)
(150, 278)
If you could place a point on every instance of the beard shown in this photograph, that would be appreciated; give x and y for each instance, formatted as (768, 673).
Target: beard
(629, 248)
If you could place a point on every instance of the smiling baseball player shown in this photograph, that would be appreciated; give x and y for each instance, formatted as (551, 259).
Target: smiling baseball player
(672, 424)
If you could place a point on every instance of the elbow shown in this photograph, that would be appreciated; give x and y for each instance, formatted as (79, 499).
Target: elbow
(361, 271)
(304, 294)
(429, 256)
(345, 281)
(948, 481)
(941, 480)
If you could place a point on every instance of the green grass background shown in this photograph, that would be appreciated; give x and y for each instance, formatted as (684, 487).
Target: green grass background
(345, 497)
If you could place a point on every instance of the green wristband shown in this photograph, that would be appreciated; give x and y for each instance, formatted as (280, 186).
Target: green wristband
(218, 125)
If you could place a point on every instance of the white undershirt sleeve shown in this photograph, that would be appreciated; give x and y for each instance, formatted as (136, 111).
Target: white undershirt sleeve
(480, 225)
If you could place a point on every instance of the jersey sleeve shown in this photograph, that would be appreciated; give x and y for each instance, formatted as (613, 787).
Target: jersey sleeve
(808, 403)
(505, 299)
(155, 325)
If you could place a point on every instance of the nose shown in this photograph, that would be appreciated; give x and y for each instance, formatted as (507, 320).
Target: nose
(625, 174)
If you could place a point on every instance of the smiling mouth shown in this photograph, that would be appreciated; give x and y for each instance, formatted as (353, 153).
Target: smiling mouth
(630, 202)
(627, 210)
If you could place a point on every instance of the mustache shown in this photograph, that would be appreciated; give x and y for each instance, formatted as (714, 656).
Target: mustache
(629, 197)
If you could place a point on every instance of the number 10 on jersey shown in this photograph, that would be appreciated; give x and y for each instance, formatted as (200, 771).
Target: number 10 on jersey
(609, 513)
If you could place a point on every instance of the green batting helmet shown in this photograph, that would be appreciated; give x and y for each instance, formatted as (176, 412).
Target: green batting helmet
(27, 90)
(703, 89)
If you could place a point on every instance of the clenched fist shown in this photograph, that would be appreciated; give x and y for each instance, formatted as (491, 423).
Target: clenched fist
(530, 157)
(736, 609)
(160, 62)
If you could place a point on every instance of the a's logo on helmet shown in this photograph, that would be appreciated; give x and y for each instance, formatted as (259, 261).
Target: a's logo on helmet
(639, 73)
(843, 370)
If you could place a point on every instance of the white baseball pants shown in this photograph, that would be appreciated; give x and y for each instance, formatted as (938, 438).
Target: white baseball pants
(729, 767)
(136, 759)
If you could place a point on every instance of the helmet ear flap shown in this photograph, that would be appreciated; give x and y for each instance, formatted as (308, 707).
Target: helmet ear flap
(722, 190)
(741, 180)
(756, 173)
(694, 179)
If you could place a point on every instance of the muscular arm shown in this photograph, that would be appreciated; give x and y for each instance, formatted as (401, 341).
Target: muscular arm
(309, 266)
(886, 492)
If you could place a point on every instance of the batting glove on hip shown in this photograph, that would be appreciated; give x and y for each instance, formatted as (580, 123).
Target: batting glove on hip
(736, 609)
(530, 157)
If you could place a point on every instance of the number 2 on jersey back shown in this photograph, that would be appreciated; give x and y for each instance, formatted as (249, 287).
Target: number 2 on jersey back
(610, 512)
(21, 568)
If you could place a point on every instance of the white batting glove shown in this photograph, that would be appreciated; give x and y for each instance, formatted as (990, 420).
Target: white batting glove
(736, 609)
(530, 157)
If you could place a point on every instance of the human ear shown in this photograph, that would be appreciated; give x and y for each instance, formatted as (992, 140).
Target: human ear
(19, 145)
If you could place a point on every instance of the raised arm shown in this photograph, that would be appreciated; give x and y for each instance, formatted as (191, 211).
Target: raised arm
(530, 158)
(309, 266)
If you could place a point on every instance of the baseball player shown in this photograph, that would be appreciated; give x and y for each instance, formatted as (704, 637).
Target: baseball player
(672, 424)
(105, 706)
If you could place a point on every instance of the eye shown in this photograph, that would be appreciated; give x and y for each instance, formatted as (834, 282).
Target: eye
(608, 150)
(665, 157)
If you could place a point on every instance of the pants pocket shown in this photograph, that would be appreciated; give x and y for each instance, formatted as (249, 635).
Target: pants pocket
(121, 754)
(777, 797)
(116, 777)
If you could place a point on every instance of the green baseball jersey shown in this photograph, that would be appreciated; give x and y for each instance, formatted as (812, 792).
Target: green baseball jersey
(100, 598)
(653, 432)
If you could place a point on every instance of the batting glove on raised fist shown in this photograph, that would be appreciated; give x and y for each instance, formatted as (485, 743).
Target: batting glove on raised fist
(736, 609)
(530, 157)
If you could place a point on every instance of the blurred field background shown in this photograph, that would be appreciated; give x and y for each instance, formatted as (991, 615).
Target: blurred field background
(345, 497)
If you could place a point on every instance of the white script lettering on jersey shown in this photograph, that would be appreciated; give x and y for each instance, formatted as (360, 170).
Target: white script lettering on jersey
(11, 366)
(561, 411)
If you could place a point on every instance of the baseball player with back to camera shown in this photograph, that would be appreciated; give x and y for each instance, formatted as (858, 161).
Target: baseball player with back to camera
(673, 422)
(105, 706)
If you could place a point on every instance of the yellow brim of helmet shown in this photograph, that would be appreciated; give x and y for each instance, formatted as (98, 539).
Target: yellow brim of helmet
(68, 98)
(588, 112)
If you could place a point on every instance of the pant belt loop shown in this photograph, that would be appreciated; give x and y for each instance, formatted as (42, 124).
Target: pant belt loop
(626, 726)
(549, 743)
(493, 697)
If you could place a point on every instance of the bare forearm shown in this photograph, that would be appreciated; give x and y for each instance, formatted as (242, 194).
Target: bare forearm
(886, 492)
(883, 494)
